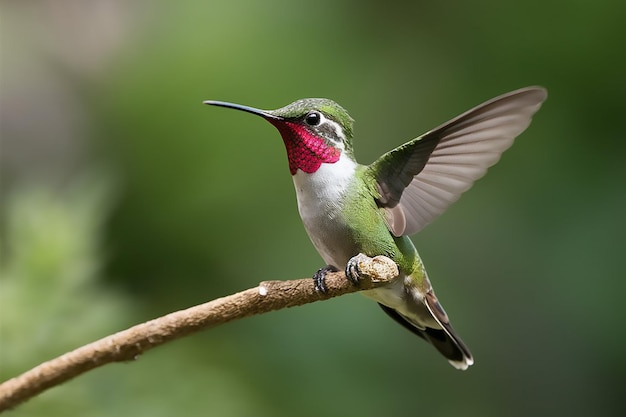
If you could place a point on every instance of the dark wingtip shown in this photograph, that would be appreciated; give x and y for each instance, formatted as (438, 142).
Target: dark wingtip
(453, 349)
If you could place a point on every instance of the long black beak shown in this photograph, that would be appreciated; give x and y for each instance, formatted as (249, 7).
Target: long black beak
(263, 113)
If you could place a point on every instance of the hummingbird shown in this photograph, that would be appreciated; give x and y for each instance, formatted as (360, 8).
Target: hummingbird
(348, 208)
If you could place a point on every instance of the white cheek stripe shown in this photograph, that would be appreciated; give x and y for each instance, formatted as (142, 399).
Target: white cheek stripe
(337, 128)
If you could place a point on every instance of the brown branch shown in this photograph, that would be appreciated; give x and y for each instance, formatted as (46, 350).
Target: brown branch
(130, 343)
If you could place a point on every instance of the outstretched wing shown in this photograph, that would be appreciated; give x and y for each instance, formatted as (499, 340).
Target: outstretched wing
(419, 180)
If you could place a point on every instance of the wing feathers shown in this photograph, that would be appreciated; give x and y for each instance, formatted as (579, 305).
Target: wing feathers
(465, 148)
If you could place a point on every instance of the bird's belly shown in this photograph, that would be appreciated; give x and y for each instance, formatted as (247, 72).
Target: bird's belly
(332, 239)
(321, 202)
(341, 216)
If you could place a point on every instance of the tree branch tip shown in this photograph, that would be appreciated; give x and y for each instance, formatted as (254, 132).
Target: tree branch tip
(379, 269)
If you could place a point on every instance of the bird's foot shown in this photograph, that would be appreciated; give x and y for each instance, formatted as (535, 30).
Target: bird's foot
(319, 279)
(353, 269)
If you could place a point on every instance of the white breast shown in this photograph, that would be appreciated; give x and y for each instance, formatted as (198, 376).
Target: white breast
(319, 202)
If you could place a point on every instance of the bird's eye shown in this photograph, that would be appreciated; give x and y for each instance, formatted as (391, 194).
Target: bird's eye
(313, 118)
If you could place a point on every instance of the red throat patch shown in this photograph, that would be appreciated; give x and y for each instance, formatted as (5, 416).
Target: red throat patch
(305, 151)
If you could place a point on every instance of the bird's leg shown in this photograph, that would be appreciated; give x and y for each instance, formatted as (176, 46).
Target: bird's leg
(320, 277)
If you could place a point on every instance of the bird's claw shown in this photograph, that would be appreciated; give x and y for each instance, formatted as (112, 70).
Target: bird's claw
(319, 279)
(353, 270)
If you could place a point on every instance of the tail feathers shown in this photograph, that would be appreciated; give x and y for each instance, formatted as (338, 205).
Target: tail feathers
(444, 340)
(437, 311)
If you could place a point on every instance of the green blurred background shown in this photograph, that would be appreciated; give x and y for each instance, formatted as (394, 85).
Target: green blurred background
(124, 198)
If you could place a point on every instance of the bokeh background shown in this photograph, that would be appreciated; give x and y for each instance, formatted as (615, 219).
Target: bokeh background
(124, 198)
